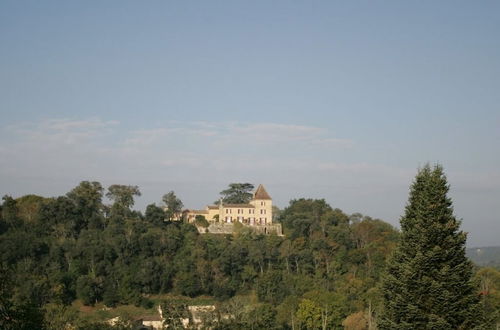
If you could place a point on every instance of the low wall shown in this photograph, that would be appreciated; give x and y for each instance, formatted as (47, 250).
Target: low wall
(229, 228)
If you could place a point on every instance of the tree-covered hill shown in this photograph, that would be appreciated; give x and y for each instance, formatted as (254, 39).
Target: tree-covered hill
(323, 274)
(485, 256)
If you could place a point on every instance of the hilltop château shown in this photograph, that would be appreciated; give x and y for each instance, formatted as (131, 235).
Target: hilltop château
(257, 214)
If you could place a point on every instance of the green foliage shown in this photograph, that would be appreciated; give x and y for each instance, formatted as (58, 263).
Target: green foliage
(21, 317)
(74, 246)
(263, 317)
(173, 313)
(110, 296)
(237, 193)
(309, 314)
(10, 212)
(87, 290)
(87, 197)
(123, 195)
(174, 205)
(59, 316)
(28, 207)
(14, 315)
(489, 281)
(201, 221)
(188, 284)
(270, 287)
(154, 215)
(303, 217)
(428, 283)
(123, 199)
(285, 312)
(333, 307)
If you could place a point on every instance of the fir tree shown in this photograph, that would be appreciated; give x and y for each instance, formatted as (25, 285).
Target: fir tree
(428, 282)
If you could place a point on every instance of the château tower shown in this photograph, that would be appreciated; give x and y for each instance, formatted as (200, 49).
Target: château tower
(263, 205)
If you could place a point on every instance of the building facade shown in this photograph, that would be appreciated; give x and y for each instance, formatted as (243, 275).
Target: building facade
(259, 211)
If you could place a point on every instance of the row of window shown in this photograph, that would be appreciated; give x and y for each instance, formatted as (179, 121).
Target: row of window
(241, 211)
(252, 221)
(250, 211)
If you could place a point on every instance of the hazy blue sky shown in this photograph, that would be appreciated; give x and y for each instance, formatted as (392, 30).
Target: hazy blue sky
(323, 99)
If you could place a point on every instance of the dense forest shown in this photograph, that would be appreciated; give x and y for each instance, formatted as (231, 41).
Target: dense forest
(325, 273)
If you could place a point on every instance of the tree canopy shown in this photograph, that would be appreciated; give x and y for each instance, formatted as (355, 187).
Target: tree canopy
(325, 273)
(428, 284)
(173, 203)
(123, 195)
(237, 193)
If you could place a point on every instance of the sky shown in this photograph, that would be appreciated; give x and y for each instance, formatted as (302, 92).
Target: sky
(316, 99)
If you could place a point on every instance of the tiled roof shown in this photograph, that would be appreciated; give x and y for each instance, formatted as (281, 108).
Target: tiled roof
(239, 205)
(261, 193)
(197, 211)
(213, 207)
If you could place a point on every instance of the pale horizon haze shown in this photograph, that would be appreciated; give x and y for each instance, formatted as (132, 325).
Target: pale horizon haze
(325, 99)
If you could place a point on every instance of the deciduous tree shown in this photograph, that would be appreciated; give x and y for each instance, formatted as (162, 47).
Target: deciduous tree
(309, 314)
(154, 214)
(174, 205)
(87, 197)
(123, 195)
(489, 280)
(123, 199)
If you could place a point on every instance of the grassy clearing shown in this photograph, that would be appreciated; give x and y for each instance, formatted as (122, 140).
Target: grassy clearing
(101, 313)
(201, 300)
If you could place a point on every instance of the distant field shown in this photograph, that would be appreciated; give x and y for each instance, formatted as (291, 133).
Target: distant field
(485, 256)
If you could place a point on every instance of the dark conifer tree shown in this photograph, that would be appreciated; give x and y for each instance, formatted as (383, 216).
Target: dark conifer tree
(428, 280)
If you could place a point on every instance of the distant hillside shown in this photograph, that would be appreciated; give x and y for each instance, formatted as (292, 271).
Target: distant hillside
(485, 256)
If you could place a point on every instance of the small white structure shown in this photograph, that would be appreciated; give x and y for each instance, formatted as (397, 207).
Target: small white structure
(153, 322)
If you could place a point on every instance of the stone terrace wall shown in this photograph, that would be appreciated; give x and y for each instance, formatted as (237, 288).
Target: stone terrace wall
(228, 228)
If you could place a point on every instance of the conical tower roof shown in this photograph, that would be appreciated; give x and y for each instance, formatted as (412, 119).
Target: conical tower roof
(261, 193)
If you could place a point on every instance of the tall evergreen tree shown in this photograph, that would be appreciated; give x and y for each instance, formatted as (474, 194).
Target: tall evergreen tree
(428, 280)
(237, 193)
